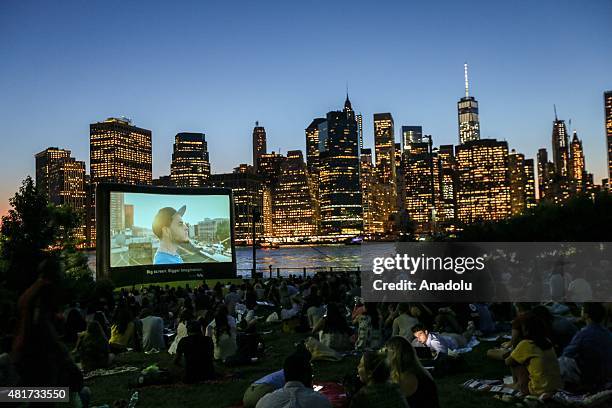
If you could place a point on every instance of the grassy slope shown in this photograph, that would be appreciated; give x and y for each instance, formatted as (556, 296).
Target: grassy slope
(108, 389)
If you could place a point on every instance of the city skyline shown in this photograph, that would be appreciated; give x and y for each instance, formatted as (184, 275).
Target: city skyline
(515, 76)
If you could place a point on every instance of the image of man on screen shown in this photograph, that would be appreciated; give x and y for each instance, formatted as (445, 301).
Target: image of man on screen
(169, 227)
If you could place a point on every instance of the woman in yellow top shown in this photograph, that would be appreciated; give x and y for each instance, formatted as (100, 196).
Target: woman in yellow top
(533, 362)
(123, 332)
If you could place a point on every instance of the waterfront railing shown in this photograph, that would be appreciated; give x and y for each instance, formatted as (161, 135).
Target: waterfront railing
(272, 271)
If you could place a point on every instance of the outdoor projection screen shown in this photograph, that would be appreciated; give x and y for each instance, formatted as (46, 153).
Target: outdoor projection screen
(159, 234)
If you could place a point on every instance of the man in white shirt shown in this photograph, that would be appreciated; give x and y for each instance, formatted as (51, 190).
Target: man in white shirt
(297, 392)
(436, 342)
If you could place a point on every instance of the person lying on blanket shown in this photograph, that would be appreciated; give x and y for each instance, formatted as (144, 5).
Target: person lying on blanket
(439, 343)
(533, 361)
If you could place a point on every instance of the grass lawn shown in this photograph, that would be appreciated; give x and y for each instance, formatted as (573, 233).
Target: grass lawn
(107, 389)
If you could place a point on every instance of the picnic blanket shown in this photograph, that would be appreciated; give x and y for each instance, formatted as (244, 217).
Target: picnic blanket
(468, 347)
(602, 398)
(493, 386)
(102, 372)
(335, 393)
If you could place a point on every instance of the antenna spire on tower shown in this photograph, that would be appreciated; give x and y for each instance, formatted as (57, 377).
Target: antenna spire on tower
(467, 84)
(555, 108)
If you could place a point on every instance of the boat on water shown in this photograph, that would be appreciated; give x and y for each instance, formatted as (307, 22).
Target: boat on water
(267, 245)
(353, 241)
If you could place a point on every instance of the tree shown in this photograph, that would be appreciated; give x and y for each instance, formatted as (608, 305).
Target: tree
(32, 231)
(581, 218)
(26, 233)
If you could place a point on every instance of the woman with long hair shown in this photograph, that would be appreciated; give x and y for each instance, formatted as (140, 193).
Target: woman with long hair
(414, 380)
(181, 330)
(533, 362)
(223, 334)
(333, 329)
(378, 392)
(123, 332)
(92, 347)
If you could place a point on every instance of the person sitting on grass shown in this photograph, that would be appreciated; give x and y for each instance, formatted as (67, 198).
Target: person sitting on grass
(438, 343)
(414, 380)
(297, 391)
(197, 351)
(368, 328)
(378, 392)
(533, 362)
(152, 331)
(123, 332)
(587, 361)
(93, 349)
(333, 329)
(403, 323)
(223, 335)
(181, 330)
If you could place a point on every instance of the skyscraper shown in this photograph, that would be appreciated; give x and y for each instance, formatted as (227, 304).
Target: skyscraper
(190, 166)
(384, 145)
(483, 181)
(247, 189)
(608, 124)
(411, 134)
(340, 192)
(371, 224)
(61, 179)
(422, 185)
(530, 189)
(469, 124)
(292, 201)
(46, 161)
(560, 148)
(259, 144)
(577, 168)
(360, 130)
(545, 175)
(447, 206)
(518, 182)
(120, 152)
(312, 146)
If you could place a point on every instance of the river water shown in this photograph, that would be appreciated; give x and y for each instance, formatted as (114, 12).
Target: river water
(293, 259)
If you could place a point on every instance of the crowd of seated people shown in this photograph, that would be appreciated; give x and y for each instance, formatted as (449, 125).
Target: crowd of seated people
(219, 325)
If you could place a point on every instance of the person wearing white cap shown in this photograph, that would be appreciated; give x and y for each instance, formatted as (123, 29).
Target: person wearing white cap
(171, 230)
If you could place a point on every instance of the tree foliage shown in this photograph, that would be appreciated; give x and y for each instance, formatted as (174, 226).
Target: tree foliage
(579, 219)
(32, 231)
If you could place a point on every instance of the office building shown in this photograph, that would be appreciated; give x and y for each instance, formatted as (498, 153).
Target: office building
(61, 178)
(577, 168)
(259, 144)
(411, 134)
(608, 126)
(469, 122)
(247, 190)
(447, 202)
(339, 185)
(292, 201)
(190, 165)
(483, 181)
(120, 152)
(421, 177)
(560, 148)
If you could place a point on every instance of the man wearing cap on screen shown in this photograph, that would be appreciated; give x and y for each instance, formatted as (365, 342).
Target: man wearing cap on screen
(169, 227)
